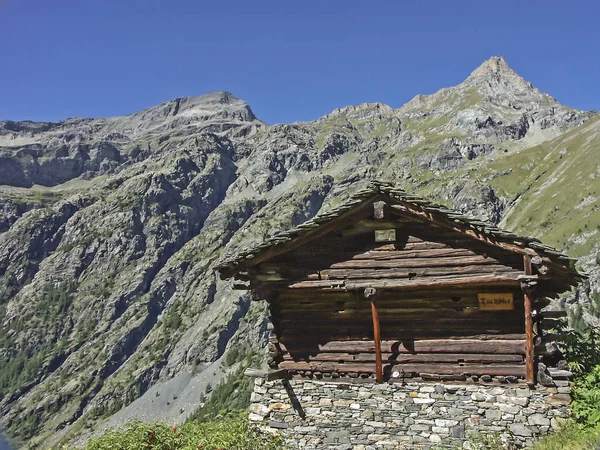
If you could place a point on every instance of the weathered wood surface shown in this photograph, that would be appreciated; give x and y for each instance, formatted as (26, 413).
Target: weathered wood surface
(450, 306)
(359, 258)
(329, 322)
(448, 224)
(495, 345)
(432, 294)
(467, 369)
(427, 308)
(398, 272)
(383, 263)
(507, 279)
(430, 315)
(404, 358)
(349, 216)
(268, 375)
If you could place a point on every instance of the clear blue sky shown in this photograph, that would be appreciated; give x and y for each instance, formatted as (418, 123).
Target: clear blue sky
(290, 60)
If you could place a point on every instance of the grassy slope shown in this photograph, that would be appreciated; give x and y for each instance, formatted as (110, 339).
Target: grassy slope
(556, 187)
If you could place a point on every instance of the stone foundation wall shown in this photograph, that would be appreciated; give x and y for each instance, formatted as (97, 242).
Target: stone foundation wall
(326, 414)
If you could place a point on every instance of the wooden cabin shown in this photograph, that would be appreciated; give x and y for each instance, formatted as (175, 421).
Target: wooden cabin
(390, 286)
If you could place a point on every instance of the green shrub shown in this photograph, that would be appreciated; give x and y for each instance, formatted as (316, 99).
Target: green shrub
(232, 432)
(172, 319)
(586, 398)
(582, 349)
(571, 437)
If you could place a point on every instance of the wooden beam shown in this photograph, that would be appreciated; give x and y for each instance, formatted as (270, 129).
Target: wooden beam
(268, 375)
(501, 279)
(377, 341)
(529, 346)
(486, 343)
(517, 370)
(480, 236)
(409, 358)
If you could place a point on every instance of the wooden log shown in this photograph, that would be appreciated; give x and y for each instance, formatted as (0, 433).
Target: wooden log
(341, 314)
(394, 272)
(402, 263)
(408, 336)
(411, 254)
(356, 333)
(529, 346)
(405, 358)
(442, 369)
(497, 345)
(507, 279)
(331, 326)
(404, 332)
(408, 294)
(346, 301)
(266, 374)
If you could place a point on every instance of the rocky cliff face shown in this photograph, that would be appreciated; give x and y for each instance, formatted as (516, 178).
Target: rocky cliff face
(109, 228)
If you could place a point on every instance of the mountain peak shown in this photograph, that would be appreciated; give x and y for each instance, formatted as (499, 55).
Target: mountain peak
(496, 67)
(496, 64)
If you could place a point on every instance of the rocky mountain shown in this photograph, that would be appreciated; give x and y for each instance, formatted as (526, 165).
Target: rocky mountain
(110, 228)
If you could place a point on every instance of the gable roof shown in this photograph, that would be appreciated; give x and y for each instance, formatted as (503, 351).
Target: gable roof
(284, 241)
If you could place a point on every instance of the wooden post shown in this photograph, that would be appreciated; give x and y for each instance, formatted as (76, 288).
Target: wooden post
(529, 356)
(370, 292)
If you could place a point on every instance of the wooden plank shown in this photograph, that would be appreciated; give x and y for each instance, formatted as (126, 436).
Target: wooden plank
(433, 293)
(529, 346)
(336, 274)
(390, 263)
(450, 309)
(268, 375)
(412, 254)
(495, 345)
(353, 332)
(434, 318)
(327, 367)
(505, 279)
(404, 358)
(311, 340)
(406, 306)
(442, 369)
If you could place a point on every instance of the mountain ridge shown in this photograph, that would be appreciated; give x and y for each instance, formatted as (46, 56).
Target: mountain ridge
(109, 306)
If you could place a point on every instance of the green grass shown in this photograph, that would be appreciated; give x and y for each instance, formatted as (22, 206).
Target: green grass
(558, 189)
(570, 437)
(231, 432)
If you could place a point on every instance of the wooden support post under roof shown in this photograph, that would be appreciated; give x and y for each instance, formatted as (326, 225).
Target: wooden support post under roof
(370, 293)
(529, 355)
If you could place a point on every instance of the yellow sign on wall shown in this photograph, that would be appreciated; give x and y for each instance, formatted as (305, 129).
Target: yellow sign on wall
(495, 302)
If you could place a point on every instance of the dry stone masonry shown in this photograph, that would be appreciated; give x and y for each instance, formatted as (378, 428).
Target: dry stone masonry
(317, 414)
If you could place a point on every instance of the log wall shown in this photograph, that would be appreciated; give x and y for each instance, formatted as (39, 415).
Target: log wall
(427, 283)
